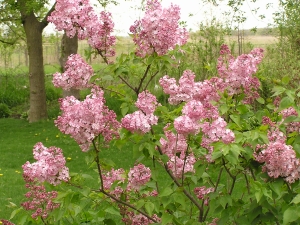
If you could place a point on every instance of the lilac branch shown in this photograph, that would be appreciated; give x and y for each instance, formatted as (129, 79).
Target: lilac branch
(111, 196)
(142, 79)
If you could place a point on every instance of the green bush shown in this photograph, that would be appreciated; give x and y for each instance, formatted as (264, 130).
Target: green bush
(4, 111)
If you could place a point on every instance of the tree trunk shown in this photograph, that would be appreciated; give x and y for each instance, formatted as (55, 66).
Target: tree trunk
(68, 46)
(33, 30)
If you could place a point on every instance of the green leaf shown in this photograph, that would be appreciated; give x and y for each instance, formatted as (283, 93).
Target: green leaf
(179, 198)
(285, 80)
(16, 211)
(166, 192)
(285, 103)
(107, 78)
(140, 203)
(236, 119)
(261, 100)
(278, 90)
(112, 210)
(166, 218)
(290, 214)
(223, 109)
(109, 222)
(149, 206)
(296, 199)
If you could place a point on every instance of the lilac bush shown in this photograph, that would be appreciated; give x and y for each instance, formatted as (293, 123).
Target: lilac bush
(227, 156)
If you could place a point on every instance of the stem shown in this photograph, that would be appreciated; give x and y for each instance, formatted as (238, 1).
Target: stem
(248, 186)
(156, 184)
(151, 78)
(185, 158)
(187, 194)
(98, 164)
(129, 85)
(218, 180)
(142, 79)
(103, 57)
(128, 205)
(111, 196)
(118, 93)
(205, 214)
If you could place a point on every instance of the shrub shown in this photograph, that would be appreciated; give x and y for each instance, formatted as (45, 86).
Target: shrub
(4, 111)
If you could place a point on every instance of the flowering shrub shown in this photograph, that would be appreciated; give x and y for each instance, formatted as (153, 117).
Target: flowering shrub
(207, 156)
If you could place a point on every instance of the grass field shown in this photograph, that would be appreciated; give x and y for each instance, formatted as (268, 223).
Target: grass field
(17, 138)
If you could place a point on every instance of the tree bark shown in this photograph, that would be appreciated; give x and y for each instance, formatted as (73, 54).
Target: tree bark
(68, 46)
(33, 30)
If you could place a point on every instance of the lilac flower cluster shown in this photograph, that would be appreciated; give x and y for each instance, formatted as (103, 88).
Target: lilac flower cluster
(40, 201)
(198, 112)
(292, 126)
(87, 119)
(77, 74)
(139, 219)
(143, 119)
(158, 31)
(213, 132)
(188, 89)
(201, 193)
(279, 158)
(237, 73)
(78, 17)
(138, 176)
(50, 166)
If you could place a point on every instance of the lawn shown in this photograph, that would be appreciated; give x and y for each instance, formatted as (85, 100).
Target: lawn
(17, 138)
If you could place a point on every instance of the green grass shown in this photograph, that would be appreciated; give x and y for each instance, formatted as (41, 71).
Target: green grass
(17, 138)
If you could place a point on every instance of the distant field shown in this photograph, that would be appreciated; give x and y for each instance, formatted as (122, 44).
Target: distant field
(123, 45)
(256, 40)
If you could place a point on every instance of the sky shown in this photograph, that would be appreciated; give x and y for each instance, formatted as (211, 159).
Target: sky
(192, 11)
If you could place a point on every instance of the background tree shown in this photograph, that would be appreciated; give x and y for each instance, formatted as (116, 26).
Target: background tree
(32, 16)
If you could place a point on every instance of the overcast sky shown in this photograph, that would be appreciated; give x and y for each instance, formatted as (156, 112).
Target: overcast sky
(192, 11)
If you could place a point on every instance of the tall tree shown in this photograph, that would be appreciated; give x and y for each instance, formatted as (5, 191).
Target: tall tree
(33, 28)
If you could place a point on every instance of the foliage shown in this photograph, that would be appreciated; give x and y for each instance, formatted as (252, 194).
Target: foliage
(209, 155)
(4, 110)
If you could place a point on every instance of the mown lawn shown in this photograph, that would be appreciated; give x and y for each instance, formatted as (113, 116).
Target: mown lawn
(17, 138)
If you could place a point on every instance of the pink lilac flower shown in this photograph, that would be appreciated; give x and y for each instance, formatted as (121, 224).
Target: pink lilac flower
(50, 166)
(237, 73)
(139, 219)
(6, 222)
(73, 16)
(173, 144)
(158, 31)
(111, 177)
(139, 122)
(279, 158)
(201, 192)
(143, 119)
(213, 132)
(77, 74)
(185, 125)
(101, 37)
(138, 176)
(187, 89)
(114, 175)
(146, 102)
(78, 17)
(180, 166)
(291, 126)
(40, 201)
(86, 120)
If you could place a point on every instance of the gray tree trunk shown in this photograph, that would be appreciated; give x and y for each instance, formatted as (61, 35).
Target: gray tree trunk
(33, 30)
